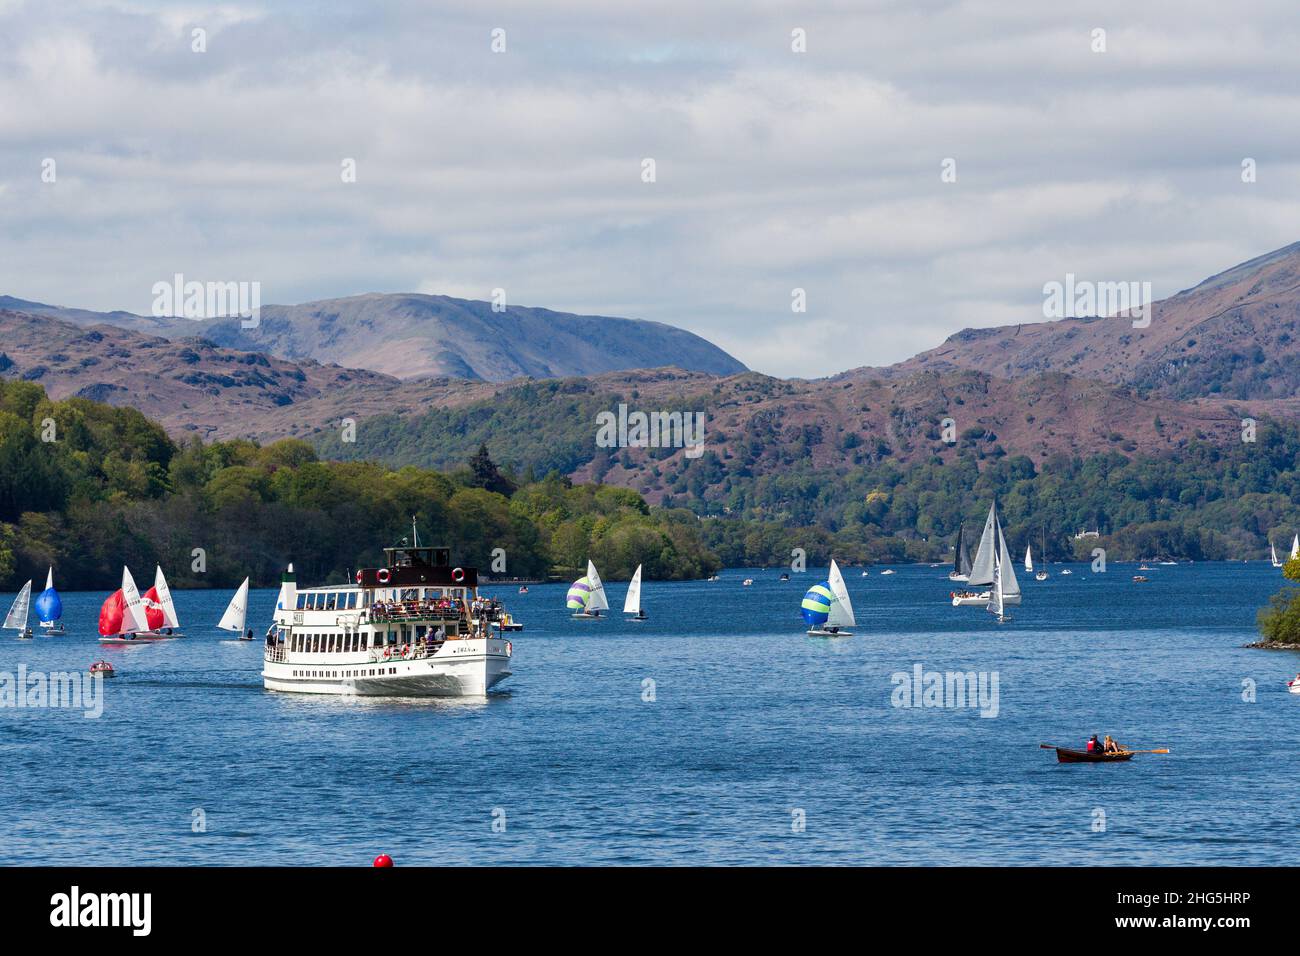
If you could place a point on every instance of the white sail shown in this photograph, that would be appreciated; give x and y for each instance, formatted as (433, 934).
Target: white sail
(49, 579)
(165, 599)
(632, 603)
(842, 608)
(1295, 547)
(1007, 571)
(134, 619)
(17, 616)
(1029, 559)
(597, 600)
(236, 610)
(997, 595)
(981, 569)
(1272, 551)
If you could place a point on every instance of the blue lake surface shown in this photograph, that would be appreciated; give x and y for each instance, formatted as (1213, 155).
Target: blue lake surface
(753, 725)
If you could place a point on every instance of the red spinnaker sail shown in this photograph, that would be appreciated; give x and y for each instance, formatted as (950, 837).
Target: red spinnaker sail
(110, 615)
(153, 612)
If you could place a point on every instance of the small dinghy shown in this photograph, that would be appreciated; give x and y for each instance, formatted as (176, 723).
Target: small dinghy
(16, 619)
(103, 669)
(632, 603)
(1294, 685)
(586, 597)
(826, 607)
(1068, 755)
(507, 623)
(49, 608)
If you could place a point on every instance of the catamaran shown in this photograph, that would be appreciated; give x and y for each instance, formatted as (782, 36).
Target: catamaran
(992, 552)
(237, 613)
(126, 618)
(632, 603)
(16, 619)
(586, 597)
(415, 627)
(826, 607)
(49, 608)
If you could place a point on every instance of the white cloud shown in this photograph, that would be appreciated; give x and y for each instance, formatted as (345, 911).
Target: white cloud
(775, 169)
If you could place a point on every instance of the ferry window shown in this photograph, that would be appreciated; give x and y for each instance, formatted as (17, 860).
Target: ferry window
(352, 600)
(329, 602)
(302, 601)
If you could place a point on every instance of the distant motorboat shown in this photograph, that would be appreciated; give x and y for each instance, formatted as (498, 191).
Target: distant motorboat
(1066, 571)
(523, 589)
(747, 582)
(785, 576)
(887, 571)
(103, 669)
(1294, 684)
(1140, 578)
(864, 574)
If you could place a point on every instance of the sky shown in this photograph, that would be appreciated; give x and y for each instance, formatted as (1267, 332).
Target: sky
(774, 169)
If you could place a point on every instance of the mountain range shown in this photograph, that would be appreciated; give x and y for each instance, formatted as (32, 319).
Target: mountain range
(417, 336)
(437, 376)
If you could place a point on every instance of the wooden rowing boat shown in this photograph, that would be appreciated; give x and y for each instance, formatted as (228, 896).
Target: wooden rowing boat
(1065, 755)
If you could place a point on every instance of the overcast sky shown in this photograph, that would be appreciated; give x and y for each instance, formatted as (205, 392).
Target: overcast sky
(775, 169)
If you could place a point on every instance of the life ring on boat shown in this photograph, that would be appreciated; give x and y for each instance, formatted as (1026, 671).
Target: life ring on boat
(388, 653)
(458, 574)
(358, 577)
(382, 575)
(406, 651)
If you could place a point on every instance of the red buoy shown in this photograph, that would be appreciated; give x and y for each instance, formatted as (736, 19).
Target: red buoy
(383, 860)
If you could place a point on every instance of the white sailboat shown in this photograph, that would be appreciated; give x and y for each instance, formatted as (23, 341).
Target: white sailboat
(1041, 574)
(1272, 553)
(123, 619)
(237, 613)
(1295, 547)
(170, 620)
(16, 619)
(997, 593)
(586, 597)
(632, 603)
(841, 612)
(991, 554)
(1029, 559)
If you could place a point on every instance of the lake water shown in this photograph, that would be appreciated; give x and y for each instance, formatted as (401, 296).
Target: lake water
(753, 727)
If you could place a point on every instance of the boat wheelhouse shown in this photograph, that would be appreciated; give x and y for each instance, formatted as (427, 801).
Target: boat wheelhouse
(414, 627)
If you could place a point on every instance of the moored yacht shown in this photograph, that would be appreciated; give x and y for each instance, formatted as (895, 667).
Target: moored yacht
(415, 627)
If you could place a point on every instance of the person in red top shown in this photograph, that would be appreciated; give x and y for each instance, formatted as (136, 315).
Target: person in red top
(1093, 745)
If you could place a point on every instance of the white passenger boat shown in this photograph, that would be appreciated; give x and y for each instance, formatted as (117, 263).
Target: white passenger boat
(415, 627)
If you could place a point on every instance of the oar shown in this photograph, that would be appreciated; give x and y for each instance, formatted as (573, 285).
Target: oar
(1164, 751)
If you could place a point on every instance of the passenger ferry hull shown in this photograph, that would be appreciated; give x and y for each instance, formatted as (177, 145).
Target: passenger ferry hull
(460, 668)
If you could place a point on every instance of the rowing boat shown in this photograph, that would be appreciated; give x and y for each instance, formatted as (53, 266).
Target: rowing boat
(1065, 755)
